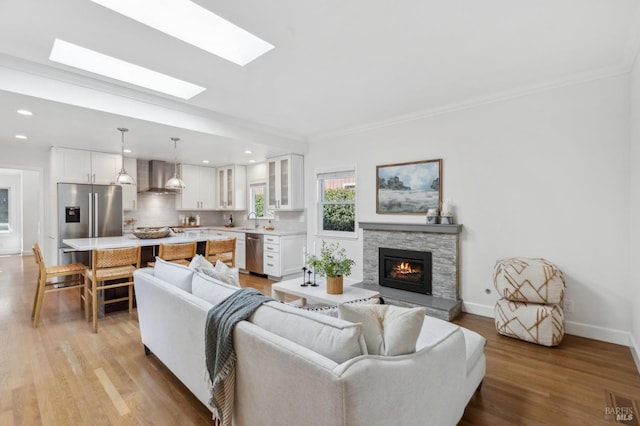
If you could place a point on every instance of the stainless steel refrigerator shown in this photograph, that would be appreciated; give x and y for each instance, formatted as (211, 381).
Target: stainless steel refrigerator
(86, 211)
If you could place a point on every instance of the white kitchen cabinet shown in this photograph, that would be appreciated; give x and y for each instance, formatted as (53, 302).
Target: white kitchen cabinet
(285, 182)
(241, 246)
(199, 193)
(79, 166)
(232, 188)
(130, 192)
(282, 255)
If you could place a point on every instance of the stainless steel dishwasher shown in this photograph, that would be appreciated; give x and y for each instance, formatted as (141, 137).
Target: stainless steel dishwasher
(255, 244)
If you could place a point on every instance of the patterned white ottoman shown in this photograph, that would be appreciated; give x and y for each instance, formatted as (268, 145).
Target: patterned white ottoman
(521, 279)
(532, 322)
(532, 292)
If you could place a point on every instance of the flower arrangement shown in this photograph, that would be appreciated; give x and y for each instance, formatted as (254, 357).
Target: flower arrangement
(332, 262)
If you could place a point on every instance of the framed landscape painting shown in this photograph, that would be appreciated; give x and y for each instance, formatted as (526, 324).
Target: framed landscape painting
(409, 188)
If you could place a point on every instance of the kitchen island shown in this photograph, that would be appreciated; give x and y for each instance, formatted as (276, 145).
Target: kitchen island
(129, 240)
(84, 246)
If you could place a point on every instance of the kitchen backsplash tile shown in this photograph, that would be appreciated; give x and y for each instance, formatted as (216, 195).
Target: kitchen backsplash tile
(160, 210)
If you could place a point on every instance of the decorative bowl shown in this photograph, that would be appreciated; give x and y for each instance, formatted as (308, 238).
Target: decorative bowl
(147, 233)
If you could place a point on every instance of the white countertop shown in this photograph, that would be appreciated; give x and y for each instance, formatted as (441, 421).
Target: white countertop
(250, 230)
(129, 240)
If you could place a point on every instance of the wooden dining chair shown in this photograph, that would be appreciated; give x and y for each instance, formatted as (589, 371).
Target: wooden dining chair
(223, 250)
(73, 272)
(108, 266)
(181, 253)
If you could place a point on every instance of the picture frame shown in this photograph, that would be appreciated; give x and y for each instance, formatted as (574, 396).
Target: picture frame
(409, 188)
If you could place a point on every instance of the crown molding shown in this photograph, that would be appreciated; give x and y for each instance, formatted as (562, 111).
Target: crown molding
(478, 102)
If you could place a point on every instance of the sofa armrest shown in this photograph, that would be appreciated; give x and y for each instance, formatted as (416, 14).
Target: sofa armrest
(172, 326)
(279, 382)
(425, 387)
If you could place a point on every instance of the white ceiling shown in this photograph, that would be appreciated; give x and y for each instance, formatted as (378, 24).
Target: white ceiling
(336, 65)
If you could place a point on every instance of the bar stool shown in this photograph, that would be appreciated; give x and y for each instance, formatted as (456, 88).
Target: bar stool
(74, 272)
(180, 253)
(223, 250)
(109, 265)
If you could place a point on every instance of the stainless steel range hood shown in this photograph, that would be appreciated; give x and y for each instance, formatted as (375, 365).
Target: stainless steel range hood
(152, 175)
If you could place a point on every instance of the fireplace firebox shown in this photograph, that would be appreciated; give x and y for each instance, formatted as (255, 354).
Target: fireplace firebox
(405, 269)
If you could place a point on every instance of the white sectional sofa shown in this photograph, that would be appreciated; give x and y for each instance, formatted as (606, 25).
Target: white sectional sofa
(296, 367)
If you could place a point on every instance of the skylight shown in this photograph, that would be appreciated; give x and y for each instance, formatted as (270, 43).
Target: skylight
(79, 57)
(195, 25)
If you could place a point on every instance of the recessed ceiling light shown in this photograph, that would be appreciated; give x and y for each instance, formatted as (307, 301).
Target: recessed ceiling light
(86, 59)
(127, 151)
(21, 137)
(205, 161)
(24, 112)
(252, 161)
(248, 152)
(193, 24)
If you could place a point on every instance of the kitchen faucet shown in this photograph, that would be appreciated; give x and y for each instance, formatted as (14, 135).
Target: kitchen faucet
(255, 215)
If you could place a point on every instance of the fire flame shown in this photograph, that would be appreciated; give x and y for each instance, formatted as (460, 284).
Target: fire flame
(404, 268)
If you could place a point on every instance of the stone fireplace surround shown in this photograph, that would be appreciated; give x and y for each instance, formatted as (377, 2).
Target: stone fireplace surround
(441, 240)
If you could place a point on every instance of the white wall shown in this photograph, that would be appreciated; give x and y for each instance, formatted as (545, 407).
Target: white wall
(32, 203)
(544, 175)
(634, 210)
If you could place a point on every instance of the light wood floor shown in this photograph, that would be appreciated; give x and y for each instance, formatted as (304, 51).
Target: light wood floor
(63, 374)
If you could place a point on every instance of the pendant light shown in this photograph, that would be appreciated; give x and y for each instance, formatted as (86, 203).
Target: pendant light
(123, 177)
(175, 182)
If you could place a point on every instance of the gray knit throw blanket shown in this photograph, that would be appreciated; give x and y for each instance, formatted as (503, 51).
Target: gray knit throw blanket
(218, 347)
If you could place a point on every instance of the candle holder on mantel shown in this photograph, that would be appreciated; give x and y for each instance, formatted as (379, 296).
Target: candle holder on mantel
(314, 279)
(304, 274)
(309, 278)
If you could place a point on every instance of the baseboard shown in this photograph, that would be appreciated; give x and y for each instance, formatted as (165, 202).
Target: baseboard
(603, 334)
(635, 351)
(588, 331)
(478, 309)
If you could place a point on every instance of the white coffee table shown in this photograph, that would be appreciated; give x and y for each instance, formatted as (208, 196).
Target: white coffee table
(293, 288)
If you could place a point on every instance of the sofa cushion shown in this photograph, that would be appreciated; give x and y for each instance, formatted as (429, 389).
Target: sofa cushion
(173, 273)
(388, 330)
(210, 289)
(331, 337)
(474, 345)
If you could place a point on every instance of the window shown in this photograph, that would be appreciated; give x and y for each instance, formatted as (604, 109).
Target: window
(4, 210)
(337, 203)
(256, 199)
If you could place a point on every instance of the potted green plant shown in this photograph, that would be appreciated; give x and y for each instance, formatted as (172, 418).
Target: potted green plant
(333, 263)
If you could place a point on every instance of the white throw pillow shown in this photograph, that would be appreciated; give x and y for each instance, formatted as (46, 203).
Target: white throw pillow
(212, 291)
(229, 277)
(199, 261)
(173, 273)
(388, 330)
